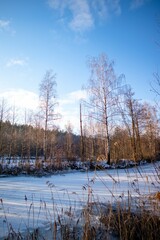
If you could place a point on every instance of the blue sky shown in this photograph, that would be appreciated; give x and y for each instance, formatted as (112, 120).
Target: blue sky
(37, 35)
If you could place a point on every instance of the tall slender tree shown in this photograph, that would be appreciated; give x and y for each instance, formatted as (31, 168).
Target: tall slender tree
(103, 88)
(48, 102)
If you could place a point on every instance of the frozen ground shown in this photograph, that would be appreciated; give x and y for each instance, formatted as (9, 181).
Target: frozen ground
(28, 202)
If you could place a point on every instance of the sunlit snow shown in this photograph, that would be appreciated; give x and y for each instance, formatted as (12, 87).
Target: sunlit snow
(28, 202)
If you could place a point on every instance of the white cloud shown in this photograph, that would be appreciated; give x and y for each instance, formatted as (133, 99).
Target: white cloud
(78, 95)
(69, 115)
(68, 105)
(137, 3)
(4, 24)
(21, 99)
(84, 12)
(69, 108)
(73, 97)
(16, 62)
(106, 8)
(82, 17)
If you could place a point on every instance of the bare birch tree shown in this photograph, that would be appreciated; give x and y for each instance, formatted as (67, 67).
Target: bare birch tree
(103, 89)
(48, 102)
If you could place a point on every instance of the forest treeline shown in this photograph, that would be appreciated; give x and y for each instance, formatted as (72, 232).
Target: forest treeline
(113, 123)
(27, 142)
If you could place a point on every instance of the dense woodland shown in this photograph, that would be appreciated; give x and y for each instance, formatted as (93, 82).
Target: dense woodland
(113, 123)
(26, 142)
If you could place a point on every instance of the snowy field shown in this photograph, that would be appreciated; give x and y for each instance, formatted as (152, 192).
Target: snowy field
(28, 202)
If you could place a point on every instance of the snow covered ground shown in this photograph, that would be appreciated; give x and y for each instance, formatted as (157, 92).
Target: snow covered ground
(28, 202)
